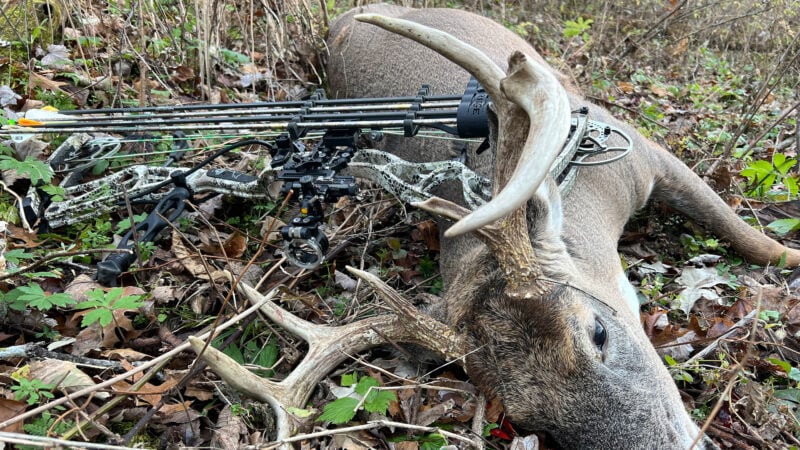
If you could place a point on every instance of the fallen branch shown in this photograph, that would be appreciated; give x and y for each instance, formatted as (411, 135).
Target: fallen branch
(372, 424)
(110, 382)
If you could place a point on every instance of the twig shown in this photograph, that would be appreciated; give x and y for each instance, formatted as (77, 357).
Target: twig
(116, 400)
(773, 125)
(21, 207)
(650, 32)
(702, 353)
(34, 350)
(758, 100)
(52, 256)
(110, 382)
(372, 425)
(479, 416)
(734, 373)
(41, 441)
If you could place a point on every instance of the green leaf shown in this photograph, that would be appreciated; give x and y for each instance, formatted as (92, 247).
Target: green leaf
(784, 226)
(792, 372)
(339, 411)
(33, 296)
(101, 315)
(301, 413)
(349, 379)
(14, 256)
(128, 302)
(34, 169)
(792, 395)
(378, 401)
(364, 384)
(235, 353)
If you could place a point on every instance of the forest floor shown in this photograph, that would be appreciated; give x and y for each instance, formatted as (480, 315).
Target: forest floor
(717, 84)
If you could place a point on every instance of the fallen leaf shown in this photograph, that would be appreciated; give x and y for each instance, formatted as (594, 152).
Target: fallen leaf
(45, 83)
(428, 232)
(64, 375)
(10, 409)
(530, 442)
(8, 97)
(229, 430)
(626, 87)
(659, 91)
(124, 353)
(57, 56)
(697, 283)
(148, 393)
(183, 73)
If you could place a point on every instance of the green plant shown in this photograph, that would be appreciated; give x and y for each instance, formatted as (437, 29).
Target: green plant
(343, 410)
(97, 235)
(104, 304)
(32, 390)
(32, 295)
(250, 351)
(45, 425)
(764, 176)
(578, 27)
(678, 373)
(31, 168)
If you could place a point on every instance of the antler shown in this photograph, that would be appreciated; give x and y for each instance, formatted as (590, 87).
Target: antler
(328, 347)
(533, 111)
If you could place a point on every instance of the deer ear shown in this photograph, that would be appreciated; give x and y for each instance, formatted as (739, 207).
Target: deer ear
(545, 215)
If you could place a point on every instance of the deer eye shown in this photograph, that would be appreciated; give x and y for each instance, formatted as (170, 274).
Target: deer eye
(600, 335)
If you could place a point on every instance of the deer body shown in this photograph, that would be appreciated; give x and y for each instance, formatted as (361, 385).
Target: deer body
(569, 357)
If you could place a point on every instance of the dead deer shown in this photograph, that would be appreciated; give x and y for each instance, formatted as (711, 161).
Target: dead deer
(539, 307)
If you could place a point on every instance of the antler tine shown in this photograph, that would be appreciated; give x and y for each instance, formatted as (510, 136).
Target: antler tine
(549, 127)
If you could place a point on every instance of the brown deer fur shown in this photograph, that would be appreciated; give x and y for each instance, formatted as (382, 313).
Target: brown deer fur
(539, 354)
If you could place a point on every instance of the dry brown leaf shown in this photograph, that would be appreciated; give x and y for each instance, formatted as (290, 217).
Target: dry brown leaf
(20, 238)
(406, 445)
(92, 337)
(124, 354)
(428, 232)
(44, 82)
(354, 441)
(198, 393)
(679, 48)
(659, 91)
(64, 375)
(229, 430)
(178, 413)
(148, 393)
(163, 294)
(193, 262)
(273, 226)
(10, 409)
(80, 286)
(183, 73)
(626, 87)
(718, 327)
